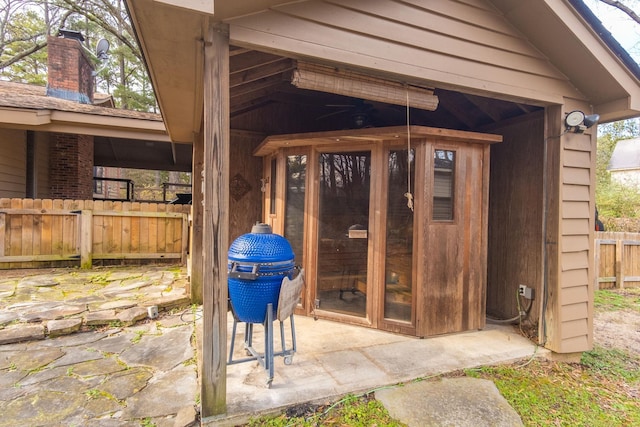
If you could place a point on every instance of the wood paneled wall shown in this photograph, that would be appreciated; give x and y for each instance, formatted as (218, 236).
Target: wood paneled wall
(515, 216)
(245, 169)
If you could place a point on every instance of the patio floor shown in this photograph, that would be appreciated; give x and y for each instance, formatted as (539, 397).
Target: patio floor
(334, 359)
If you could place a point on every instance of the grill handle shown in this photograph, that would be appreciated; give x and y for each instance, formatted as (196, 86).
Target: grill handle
(244, 275)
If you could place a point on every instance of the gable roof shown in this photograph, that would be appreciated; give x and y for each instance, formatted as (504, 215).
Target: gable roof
(626, 155)
(548, 47)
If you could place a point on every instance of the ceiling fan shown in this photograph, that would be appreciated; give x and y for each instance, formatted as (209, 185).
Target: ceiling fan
(360, 114)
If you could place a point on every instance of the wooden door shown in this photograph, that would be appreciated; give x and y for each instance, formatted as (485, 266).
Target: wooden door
(453, 271)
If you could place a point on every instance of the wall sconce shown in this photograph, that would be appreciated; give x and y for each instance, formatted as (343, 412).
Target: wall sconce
(577, 122)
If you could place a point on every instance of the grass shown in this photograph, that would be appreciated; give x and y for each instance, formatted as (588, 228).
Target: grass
(618, 299)
(353, 411)
(602, 390)
(136, 339)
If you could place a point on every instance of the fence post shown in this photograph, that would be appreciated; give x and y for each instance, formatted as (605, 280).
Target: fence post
(185, 238)
(86, 239)
(2, 233)
(596, 263)
(619, 263)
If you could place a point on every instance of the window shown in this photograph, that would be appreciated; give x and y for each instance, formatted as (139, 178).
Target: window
(294, 205)
(443, 184)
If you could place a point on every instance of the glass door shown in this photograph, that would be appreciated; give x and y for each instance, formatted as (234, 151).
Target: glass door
(398, 266)
(343, 232)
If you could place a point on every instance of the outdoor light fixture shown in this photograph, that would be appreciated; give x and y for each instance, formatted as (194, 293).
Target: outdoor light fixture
(577, 122)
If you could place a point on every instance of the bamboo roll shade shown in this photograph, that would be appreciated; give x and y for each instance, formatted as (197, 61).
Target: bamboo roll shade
(349, 83)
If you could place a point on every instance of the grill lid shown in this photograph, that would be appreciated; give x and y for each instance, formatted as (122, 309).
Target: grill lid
(261, 246)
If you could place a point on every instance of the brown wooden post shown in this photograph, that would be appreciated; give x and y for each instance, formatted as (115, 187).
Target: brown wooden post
(86, 239)
(197, 208)
(216, 220)
(619, 263)
(548, 329)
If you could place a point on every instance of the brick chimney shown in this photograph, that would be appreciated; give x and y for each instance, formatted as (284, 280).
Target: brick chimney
(70, 68)
(70, 155)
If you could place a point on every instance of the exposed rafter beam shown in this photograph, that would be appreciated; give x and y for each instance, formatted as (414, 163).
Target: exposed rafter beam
(254, 74)
(251, 59)
(486, 106)
(258, 86)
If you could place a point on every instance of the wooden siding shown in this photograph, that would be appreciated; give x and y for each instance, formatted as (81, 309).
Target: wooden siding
(36, 233)
(617, 260)
(576, 245)
(13, 163)
(567, 326)
(420, 40)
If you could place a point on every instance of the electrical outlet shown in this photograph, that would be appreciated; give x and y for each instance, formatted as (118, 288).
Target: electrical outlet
(525, 291)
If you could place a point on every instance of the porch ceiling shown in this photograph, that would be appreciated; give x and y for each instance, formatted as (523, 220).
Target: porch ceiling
(171, 38)
(140, 154)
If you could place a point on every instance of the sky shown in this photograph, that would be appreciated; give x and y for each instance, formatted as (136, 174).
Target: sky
(620, 25)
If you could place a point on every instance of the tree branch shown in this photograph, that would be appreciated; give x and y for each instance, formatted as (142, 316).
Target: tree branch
(623, 8)
(22, 55)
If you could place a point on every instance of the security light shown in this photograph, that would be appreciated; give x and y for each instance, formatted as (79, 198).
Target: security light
(577, 122)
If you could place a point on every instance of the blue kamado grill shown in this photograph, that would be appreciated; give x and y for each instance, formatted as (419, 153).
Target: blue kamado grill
(258, 261)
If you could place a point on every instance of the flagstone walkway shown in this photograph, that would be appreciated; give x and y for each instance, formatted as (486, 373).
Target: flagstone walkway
(79, 348)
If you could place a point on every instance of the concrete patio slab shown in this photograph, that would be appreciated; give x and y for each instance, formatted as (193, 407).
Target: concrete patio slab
(335, 359)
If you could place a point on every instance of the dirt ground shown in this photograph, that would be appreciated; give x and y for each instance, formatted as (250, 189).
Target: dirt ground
(619, 328)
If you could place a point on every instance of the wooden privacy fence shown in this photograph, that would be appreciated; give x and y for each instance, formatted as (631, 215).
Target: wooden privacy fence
(617, 259)
(36, 233)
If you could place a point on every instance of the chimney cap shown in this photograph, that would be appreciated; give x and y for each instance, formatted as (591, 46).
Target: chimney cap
(71, 34)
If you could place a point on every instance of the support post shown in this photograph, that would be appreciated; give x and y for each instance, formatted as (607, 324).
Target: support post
(216, 220)
(86, 239)
(196, 254)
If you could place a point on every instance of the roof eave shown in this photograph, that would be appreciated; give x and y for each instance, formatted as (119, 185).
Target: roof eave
(82, 123)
